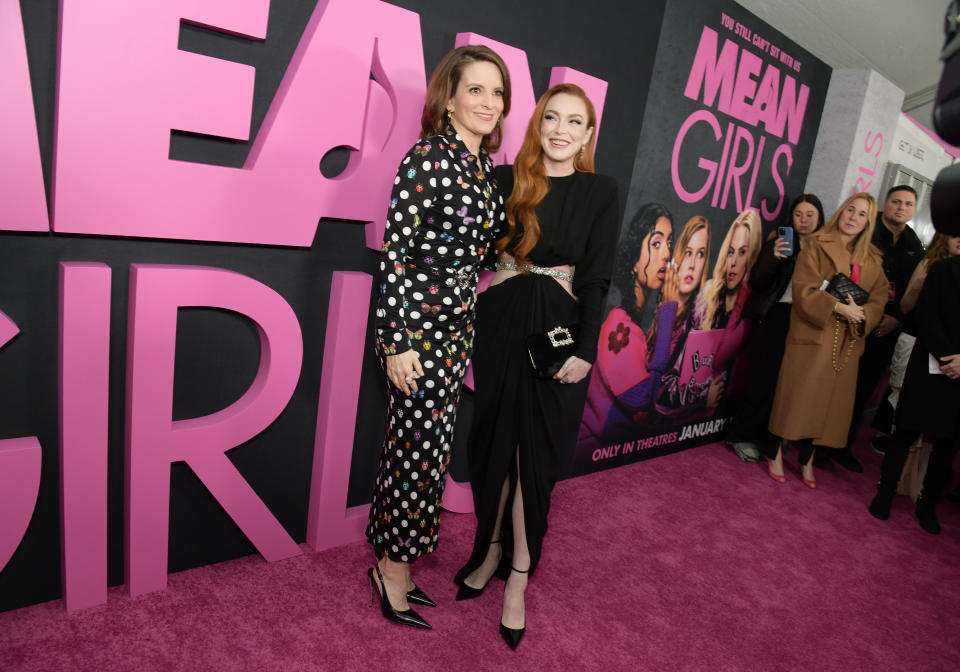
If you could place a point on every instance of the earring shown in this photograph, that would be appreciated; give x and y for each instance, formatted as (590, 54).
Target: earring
(583, 148)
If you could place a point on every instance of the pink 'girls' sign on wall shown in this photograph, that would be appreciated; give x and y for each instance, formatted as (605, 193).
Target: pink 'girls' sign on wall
(357, 79)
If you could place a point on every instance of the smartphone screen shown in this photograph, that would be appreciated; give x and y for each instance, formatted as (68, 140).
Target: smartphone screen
(786, 232)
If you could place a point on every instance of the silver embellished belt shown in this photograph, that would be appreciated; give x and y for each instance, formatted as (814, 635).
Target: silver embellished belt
(539, 270)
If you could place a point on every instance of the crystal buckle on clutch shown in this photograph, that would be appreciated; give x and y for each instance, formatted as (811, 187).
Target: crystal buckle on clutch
(557, 331)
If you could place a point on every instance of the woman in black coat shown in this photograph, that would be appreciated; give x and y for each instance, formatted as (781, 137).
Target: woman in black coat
(928, 401)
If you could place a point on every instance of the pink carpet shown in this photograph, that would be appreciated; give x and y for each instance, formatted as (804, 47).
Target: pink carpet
(695, 561)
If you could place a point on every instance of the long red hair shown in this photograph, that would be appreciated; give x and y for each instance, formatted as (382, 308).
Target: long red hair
(530, 181)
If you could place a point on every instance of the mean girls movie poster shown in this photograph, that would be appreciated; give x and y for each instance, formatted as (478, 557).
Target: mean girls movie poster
(727, 135)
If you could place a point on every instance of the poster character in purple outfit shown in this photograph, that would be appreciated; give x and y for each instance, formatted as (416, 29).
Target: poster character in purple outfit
(622, 386)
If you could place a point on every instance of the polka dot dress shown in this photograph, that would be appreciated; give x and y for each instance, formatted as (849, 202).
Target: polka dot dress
(445, 213)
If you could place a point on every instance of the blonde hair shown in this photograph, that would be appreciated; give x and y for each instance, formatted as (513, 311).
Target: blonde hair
(751, 220)
(863, 248)
(694, 225)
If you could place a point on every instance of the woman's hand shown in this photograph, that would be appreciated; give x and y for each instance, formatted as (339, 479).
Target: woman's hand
(402, 368)
(950, 365)
(573, 371)
(671, 283)
(780, 249)
(850, 311)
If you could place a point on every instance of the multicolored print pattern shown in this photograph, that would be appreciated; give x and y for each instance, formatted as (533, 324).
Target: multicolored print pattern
(445, 213)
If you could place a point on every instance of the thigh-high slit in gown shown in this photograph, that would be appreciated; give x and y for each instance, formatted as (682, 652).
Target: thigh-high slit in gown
(526, 427)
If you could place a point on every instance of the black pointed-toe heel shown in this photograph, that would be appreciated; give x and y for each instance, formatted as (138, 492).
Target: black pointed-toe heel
(465, 592)
(417, 596)
(408, 617)
(510, 635)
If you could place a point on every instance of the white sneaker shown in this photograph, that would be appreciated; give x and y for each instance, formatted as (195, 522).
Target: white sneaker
(746, 451)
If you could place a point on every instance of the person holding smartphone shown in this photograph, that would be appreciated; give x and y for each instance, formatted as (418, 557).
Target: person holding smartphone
(768, 307)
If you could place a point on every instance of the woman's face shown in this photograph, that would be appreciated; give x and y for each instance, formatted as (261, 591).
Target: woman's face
(477, 103)
(737, 255)
(953, 245)
(853, 219)
(563, 131)
(692, 263)
(651, 267)
(805, 218)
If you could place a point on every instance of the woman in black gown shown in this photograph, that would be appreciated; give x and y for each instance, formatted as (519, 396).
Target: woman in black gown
(554, 270)
(445, 213)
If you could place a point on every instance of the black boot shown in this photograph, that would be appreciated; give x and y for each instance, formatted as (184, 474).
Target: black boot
(927, 514)
(880, 506)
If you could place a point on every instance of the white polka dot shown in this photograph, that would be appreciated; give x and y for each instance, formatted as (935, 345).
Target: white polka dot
(404, 194)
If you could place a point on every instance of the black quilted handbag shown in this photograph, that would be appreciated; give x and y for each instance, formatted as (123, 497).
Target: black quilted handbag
(842, 285)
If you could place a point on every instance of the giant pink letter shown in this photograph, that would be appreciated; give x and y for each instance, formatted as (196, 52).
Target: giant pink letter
(329, 522)
(23, 204)
(19, 475)
(117, 106)
(154, 440)
(84, 387)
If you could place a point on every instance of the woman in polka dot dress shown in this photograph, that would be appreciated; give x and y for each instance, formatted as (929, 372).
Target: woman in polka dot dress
(445, 213)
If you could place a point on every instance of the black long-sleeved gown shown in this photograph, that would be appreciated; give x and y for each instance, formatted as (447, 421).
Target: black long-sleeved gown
(514, 411)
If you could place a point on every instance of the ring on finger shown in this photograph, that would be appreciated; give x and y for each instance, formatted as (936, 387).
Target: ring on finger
(408, 380)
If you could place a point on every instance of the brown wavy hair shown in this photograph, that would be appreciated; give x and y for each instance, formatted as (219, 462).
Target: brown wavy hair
(443, 86)
(530, 181)
(938, 250)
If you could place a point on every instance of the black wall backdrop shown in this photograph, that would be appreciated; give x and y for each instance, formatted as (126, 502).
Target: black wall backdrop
(217, 351)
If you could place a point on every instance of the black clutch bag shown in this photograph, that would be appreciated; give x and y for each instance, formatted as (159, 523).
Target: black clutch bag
(549, 350)
(841, 286)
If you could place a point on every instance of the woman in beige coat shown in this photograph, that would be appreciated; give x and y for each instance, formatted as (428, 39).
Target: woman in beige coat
(817, 383)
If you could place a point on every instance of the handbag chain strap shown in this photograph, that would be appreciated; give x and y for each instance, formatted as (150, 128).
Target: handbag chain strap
(836, 345)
